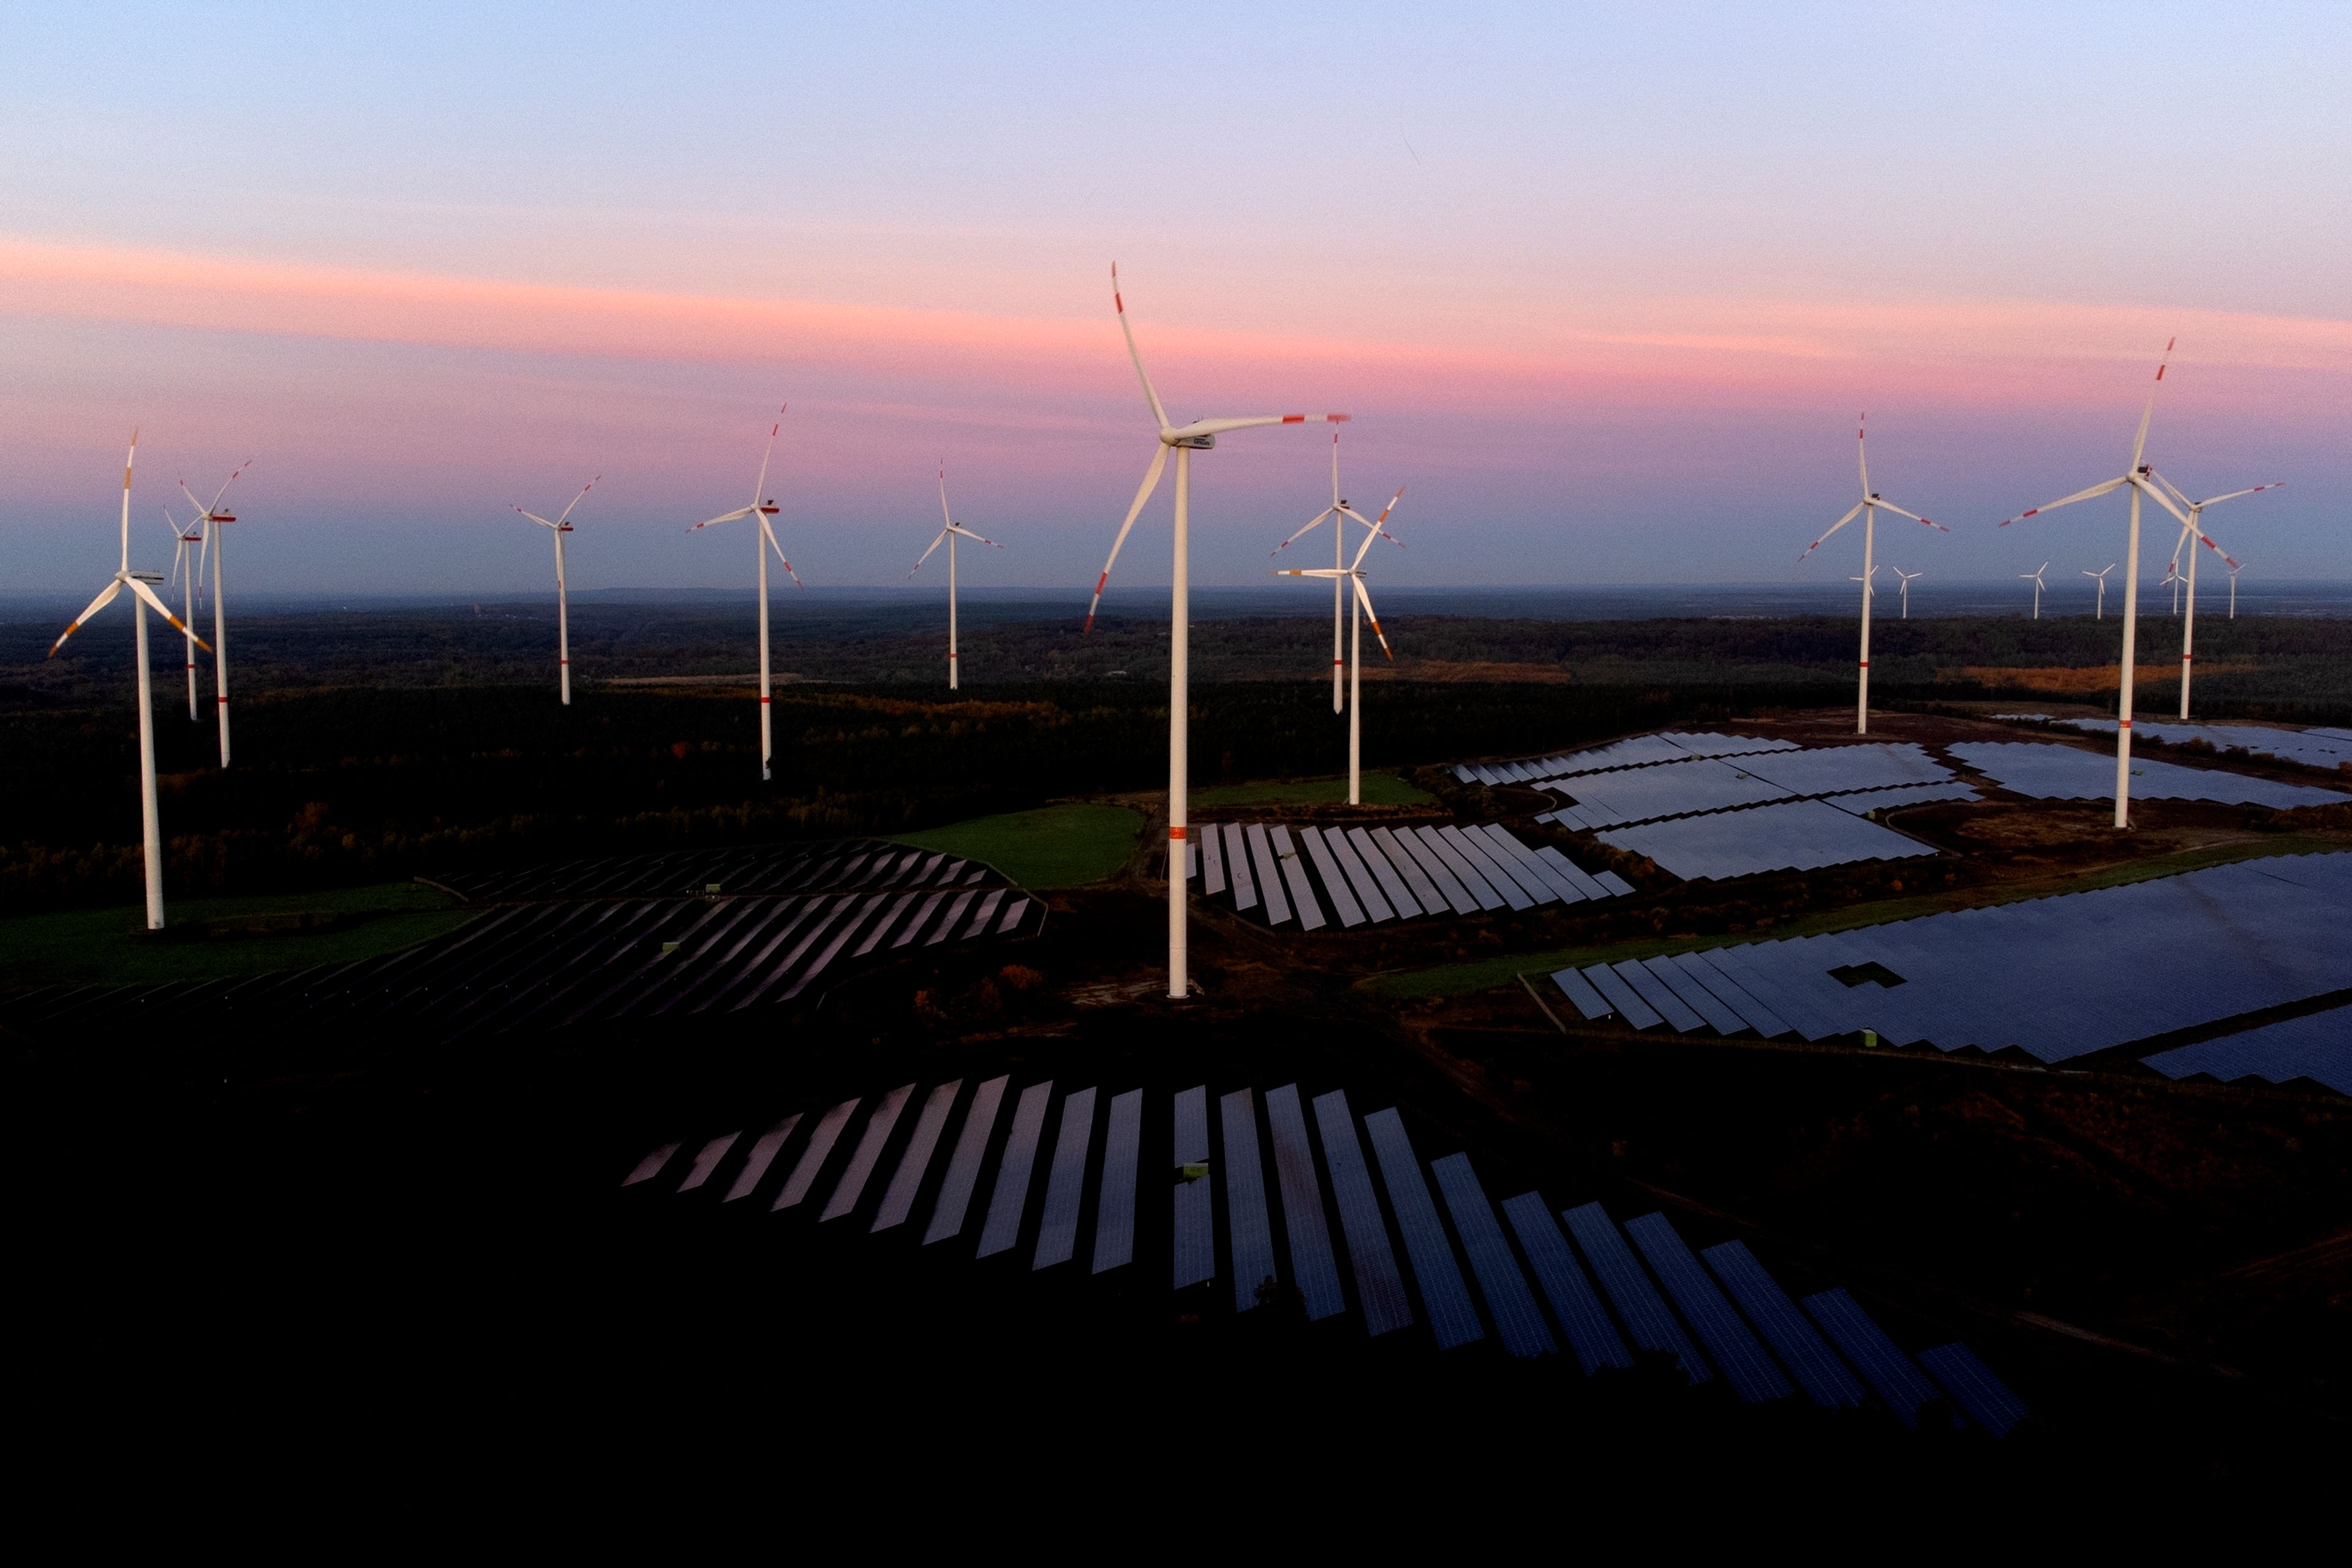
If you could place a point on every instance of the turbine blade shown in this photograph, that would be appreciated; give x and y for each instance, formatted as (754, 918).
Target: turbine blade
(1142, 494)
(1889, 506)
(2233, 495)
(566, 512)
(164, 610)
(1251, 422)
(960, 531)
(769, 534)
(1862, 451)
(926, 555)
(2139, 442)
(2092, 494)
(1364, 597)
(760, 485)
(943, 496)
(1303, 533)
(740, 512)
(105, 597)
(224, 490)
(1120, 304)
(1833, 527)
(537, 519)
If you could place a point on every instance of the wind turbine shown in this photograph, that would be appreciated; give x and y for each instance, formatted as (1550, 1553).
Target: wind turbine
(2137, 478)
(2034, 577)
(141, 595)
(1867, 509)
(949, 535)
(1908, 579)
(2235, 567)
(1199, 436)
(2193, 526)
(184, 542)
(1338, 509)
(2100, 577)
(210, 518)
(1361, 610)
(559, 527)
(763, 507)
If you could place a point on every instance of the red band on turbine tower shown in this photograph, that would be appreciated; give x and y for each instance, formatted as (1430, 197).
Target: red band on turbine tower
(1176, 832)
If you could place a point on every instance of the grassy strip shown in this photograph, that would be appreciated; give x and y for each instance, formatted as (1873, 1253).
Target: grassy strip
(1379, 789)
(1054, 846)
(207, 938)
(1481, 974)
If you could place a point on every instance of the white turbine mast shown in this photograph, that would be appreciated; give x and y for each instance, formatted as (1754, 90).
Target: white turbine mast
(1337, 510)
(2136, 479)
(560, 526)
(2193, 528)
(2034, 577)
(1361, 610)
(2235, 567)
(210, 518)
(947, 536)
(1867, 509)
(763, 507)
(1199, 436)
(2100, 577)
(187, 541)
(142, 595)
(1907, 578)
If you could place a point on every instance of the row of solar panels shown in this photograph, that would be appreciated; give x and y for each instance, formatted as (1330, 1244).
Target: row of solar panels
(1792, 835)
(2057, 977)
(2313, 748)
(1706, 784)
(1382, 874)
(1730, 1303)
(553, 963)
(2317, 1047)
(1633, 752)
(835, 866)
(2049, 770)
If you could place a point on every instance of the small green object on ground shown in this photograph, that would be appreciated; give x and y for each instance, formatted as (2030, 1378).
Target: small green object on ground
(1869, 1039)
(1053, 847)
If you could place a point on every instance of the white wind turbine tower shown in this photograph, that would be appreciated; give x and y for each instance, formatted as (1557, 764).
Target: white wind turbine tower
(2034, 577)
(949, 535)
(1866, 508)
(1907, 578)
(559, 527)
(2194, 528)
(2100, 577)
(210, 518)
(2235, 567)
(1199, 436)
(1361, 610)
(187, 541)
(141, 595)
(2137, 477)
(1338, 509)
(761, 508)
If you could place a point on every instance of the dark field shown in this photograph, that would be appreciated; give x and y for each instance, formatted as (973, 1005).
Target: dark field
(402, 1241)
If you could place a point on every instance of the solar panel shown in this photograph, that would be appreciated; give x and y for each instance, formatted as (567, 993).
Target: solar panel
(1196, 1243)
(1744, 1365)
(1213, 859)
(1580, 991)
(1465, 874)
(1115, 1209)
(1368, 891)
(705, 1160)
(1378, 1285)
(1335, 886)
(2048, 769)
(1628, 1002)
(1768, 1024)
(1446, 890)
(1237, 858)
(963, 1167)
(1881, 1362)
(2317, 1045)
(1474, 854)
(1591, 1334)
(1393, 886)
(1269, 875)
(1668, 789)
(1866, 800)
(1517, 1318)
(1653, 990)
(2313, 748)
(1246, 1222)
(1525, 863)
(1011, 1199)
(1294, 873)
(898, 1198)
(878, 1127)
(1723, 1020)
(763, 1155)
(1057, 1232)
(1803, 1351)
(651, 1165)
(813, 1158)
(1569, 871)
(1828, 770)
(1312, 1266)
(1791, 834)
(1982, 1398)
(1643, 1312)
(1452, 1317)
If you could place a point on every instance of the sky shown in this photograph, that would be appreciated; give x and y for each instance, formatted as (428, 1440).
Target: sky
(1604, 287)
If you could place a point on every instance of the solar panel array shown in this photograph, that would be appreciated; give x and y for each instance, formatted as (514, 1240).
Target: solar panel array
(1796, 835)
(2056, 978)
(2049, 770)
(1448, 1262)
(1663, 747)
(2317, 1045)
(594, 958)
(2313, 748)
(834, 865)
(1322, 877)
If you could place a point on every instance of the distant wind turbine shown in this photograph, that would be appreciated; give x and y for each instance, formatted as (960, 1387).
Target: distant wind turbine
(559, 527)
(185, 542)
(211, 517)
(2235, 567)
(1352, 575)
(1867, 509)
(1907, 578)
(2193, 528)
(1335, 512)
(1199, 436)
(2034, 577)
(949, 535)
(761, 508)
(2136, 476)
(141, 595)
(2100, 577)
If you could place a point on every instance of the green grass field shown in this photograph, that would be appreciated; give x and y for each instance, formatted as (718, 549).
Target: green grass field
(1379, 789)
(205, 939)
(1054, 846)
